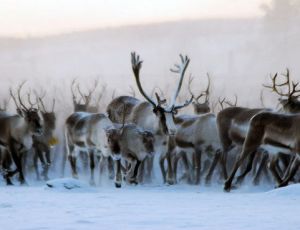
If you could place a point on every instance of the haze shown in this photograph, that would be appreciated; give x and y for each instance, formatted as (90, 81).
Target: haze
(239, 43)
(43, 17)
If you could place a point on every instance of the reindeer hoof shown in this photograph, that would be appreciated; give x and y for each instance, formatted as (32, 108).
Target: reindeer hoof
(170, 182)
(227, 186)
(281, 185)
(9, 183)
(118, 185)
(133, 181)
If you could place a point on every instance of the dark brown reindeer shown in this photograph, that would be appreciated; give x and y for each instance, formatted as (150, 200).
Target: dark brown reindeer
(268, 137)
(16, 135)
(42, 144)
(151, 115)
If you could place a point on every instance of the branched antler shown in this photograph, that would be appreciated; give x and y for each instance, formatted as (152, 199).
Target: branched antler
(136, 67)
(292, 86)
(180, 69)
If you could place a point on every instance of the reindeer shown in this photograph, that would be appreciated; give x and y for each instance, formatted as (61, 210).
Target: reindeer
(43, 143)
(151, 115)
(83, 104)
(87, 132)
(290, 104)
(200, 108)
(16, 135)
(135, 145)
(199, 133)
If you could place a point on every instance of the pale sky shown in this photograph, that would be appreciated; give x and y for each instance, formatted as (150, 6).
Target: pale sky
(42, 17)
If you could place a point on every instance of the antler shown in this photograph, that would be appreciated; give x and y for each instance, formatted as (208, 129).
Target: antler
(290, 84)
(207, 89)
(87, 98)
(229, 103)
(103, 89)
(29, 100)
(132, 91)
(53, 105)
(136, 67)
(205, 93)
(19, 96)
(72, 91)
(221, 102)
(232, 104)
(14, 98)
(160, 102)
(180, 69)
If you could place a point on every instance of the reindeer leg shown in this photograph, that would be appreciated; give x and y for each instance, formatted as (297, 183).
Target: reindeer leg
(72, 159)
(149, 167)
(110, 165)
(17, 159)
(92, 167)
(35, 164)
(289, 167)
(162, 167)
(251, 144)
(176, 159)
(47, 163)
(118, 174)
(273, 170)
(241, 177)
(39, 152)
(133, 179)
(292, 172)
(187, 167)
(141, 173)
(259, 171)
(6, 163)
(170, 176)
(197, 165)
(212, 167)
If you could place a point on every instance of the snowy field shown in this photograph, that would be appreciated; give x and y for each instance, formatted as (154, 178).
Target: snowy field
(78, 206)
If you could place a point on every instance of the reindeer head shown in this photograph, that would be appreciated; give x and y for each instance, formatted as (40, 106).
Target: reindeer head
(200, 107)
(83, 103)
(223, 102)
(113, 136)
(30, 115)
(148, 141)
(164, 114)
(290, 102)
(48, 116)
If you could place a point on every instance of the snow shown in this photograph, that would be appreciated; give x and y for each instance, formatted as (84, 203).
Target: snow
(145, 207)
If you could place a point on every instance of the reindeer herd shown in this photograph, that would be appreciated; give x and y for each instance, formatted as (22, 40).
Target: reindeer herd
(126, 140)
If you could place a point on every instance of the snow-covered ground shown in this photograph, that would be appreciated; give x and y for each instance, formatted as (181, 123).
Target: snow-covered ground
(72, 205)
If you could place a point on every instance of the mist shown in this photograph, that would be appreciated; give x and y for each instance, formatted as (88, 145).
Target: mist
(238, 54)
